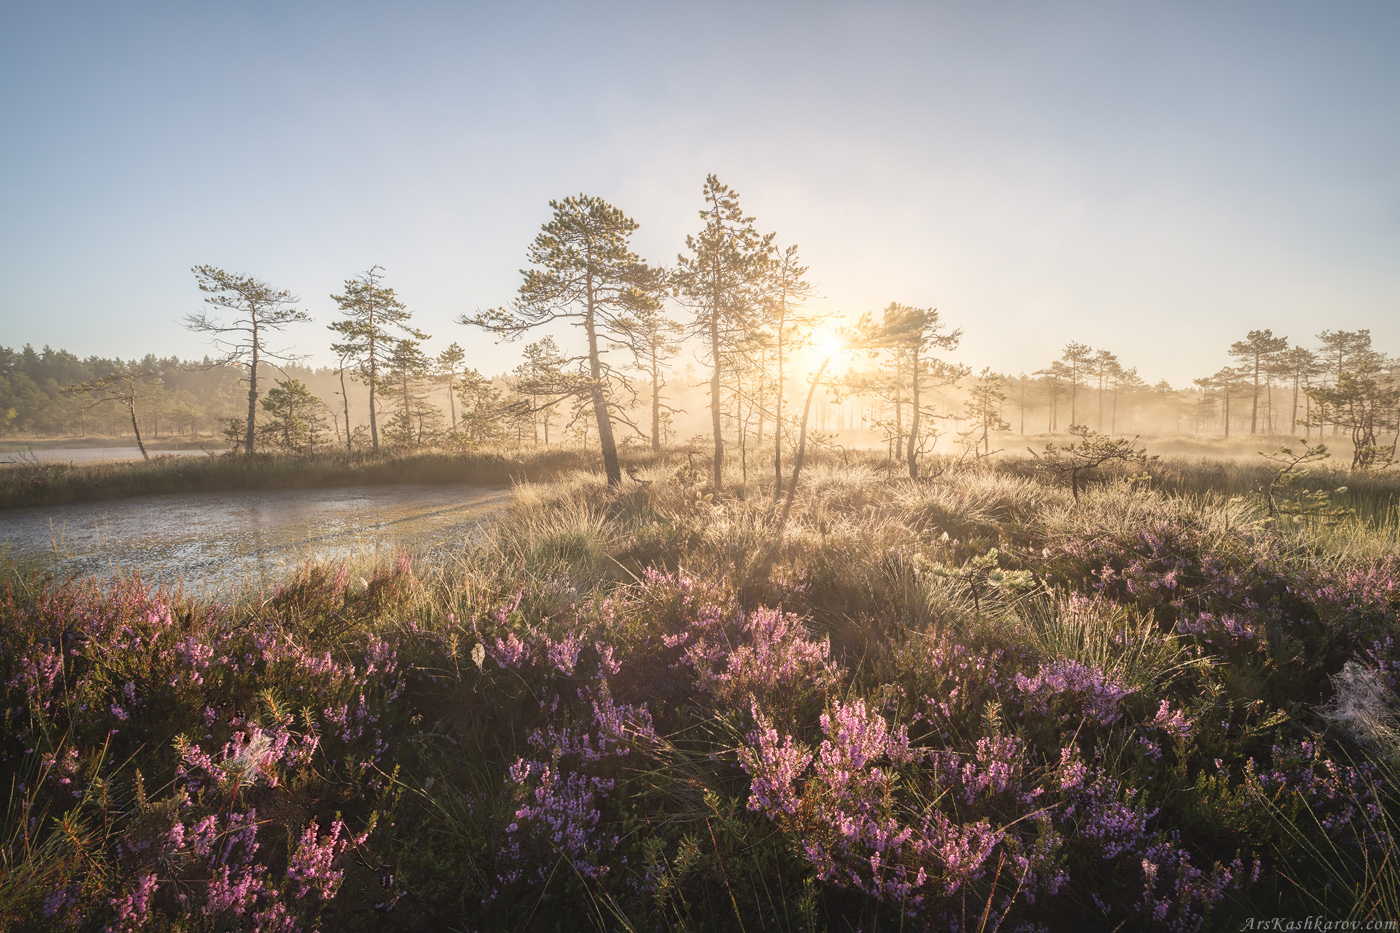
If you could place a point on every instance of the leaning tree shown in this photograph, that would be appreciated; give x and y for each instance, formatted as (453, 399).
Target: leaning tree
(127, 384)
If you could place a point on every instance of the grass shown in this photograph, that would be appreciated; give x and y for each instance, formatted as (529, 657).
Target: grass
(50, 483)
(645, 708)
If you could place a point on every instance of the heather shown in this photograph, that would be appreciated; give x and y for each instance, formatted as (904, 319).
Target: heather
(968, 702)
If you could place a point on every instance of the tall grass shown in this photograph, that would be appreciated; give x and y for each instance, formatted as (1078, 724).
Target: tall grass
(49, 483)
(649, 708)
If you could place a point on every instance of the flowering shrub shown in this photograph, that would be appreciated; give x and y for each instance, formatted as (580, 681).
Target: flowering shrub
(1074, 688)
(849, 733)
(1173, 567)
(854, 833)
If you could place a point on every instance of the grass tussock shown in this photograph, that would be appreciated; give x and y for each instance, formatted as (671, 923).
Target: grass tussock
(963, 703)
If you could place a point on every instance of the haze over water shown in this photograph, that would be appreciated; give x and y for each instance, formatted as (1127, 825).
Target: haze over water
(212, 542)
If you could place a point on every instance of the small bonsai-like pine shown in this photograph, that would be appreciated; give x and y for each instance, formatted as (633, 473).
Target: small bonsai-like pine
(1076, 462)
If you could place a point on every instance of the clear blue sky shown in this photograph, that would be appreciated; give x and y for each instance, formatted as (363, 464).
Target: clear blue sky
(1154, 179)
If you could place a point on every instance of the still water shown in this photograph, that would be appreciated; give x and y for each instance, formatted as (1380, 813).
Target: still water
(94, 454)
(216, 542)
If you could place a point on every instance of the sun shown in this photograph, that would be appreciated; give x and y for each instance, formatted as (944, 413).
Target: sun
(829, 344)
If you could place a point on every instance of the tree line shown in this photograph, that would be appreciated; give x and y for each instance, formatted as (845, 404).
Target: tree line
(1340, 386)
(740, 299)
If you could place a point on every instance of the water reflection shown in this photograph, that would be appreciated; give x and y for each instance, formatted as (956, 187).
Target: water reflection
(216, 541)
(92, 454)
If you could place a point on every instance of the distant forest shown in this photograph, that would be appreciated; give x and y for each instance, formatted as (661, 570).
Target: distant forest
(1317, 392)
(763, 363)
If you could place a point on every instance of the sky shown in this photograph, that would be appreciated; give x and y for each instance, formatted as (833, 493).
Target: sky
(1152, 179)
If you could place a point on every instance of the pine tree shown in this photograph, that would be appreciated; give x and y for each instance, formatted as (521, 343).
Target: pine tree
(1076, 359)
(415, 419)
(786, 288)
(258, 309)
(984, 407)
(1105, 367)
(448, 362)
(541, 375)
(370, 310)
(720, 279)
(653, 339)
(1300, 365)
(1341, 351)
(296, 415)
(128, 384)
(584, 271)
(1365, 400)
(917, 332)
(1255, 353)
(1229, 382)
(1054, 377)
(483, 415)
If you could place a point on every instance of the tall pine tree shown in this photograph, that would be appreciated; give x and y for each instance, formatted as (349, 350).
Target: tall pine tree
(585, 272)
(370, 309)
(720, 279)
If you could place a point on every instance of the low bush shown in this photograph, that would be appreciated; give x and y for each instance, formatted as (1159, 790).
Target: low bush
(968, 703)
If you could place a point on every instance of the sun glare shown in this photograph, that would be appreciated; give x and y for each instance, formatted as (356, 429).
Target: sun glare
(829, 344)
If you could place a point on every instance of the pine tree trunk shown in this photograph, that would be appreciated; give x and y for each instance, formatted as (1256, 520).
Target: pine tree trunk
(914, 420)
(252, 392)
(655, 403)
(345, 397)
(778, 424)
(1254, 406)
(1073, 396)
(801, 448)
(373, 382)
(717, 467)
(452, 396)
(898, 401)
(611, 466)
(135, 428)
(1100, 401)
(1293, 420)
